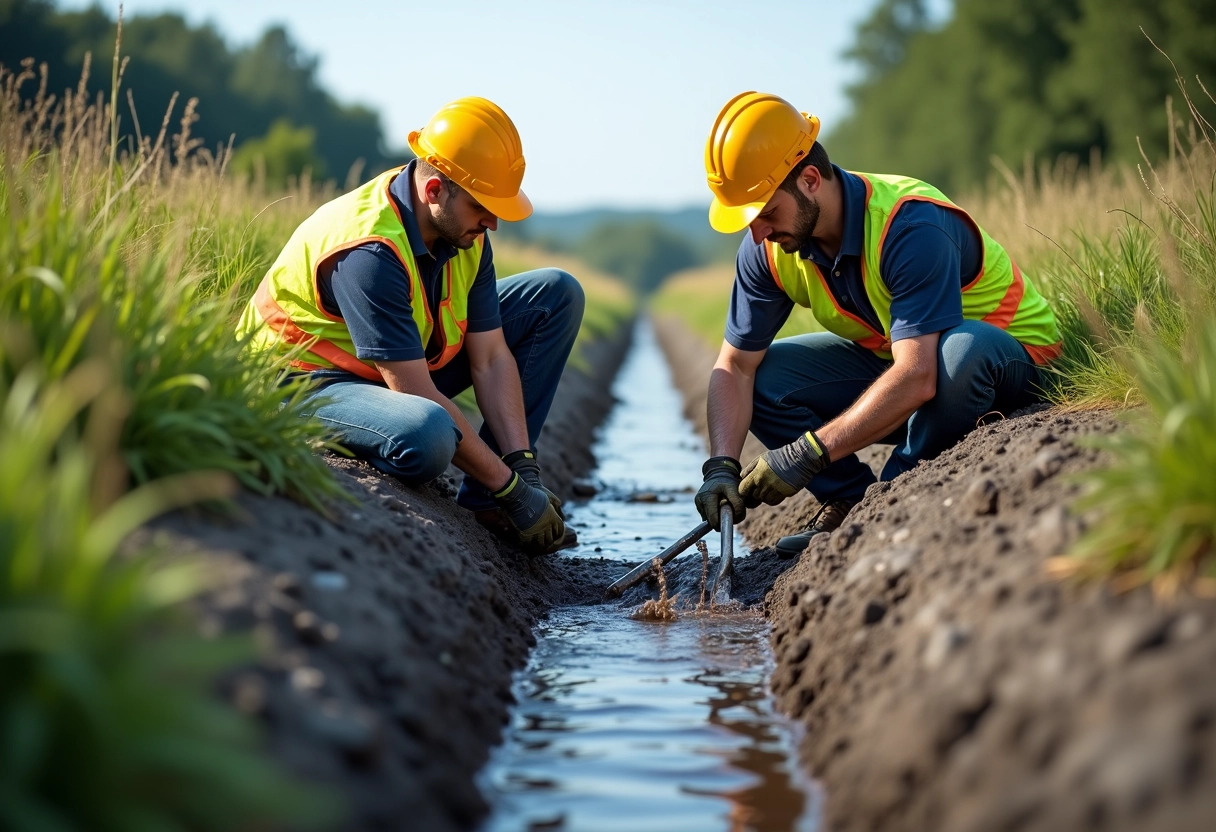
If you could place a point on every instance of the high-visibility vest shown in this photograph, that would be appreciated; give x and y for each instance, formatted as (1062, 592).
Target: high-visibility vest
(286, 312)
(999, 295)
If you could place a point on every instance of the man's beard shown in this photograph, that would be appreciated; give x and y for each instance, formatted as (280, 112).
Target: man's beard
(804, 224)
(449, 229)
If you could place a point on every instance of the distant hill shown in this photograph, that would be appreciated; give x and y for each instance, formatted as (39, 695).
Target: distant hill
(565, 230)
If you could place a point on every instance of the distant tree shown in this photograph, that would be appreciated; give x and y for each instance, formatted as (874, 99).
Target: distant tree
(284, 153)
(1035, 79)
(241, 92)
(641, 253)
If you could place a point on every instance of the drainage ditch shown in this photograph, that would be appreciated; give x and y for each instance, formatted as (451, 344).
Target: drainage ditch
(626, 722)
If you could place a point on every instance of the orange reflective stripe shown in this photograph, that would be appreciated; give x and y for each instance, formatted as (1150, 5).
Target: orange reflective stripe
(1005, 311)
(450, 351)
(772, 264)
(1044, 354)
(286, 329)
(877, 341)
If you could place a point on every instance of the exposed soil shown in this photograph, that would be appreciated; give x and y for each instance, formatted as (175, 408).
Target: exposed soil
(388, 635)
(945, 681)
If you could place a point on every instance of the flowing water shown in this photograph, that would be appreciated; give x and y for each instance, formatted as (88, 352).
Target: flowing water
(642, 725)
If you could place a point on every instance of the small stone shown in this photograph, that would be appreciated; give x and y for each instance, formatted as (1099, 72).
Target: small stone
(309, 627)
(1048, 535)
(901, 535)
(287, 583)
(873, 613)
(249, 693)
(307, 679)
(329, 580)
(1188, 627)
(981, 497)
(944, 640)
(949, 501)
(584, 488)
(643, 497)
(1046, 464)
(353, 731)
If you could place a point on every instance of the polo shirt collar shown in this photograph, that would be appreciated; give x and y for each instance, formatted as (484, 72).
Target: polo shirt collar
(402, 189)
(853, 191)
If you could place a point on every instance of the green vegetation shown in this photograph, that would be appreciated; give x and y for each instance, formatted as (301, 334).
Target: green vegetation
(106, 702)
(1029, 81)
(242, 92)
(120, 278)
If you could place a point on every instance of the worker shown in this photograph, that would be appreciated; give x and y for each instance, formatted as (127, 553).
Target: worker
(928, 323)
(386, 296)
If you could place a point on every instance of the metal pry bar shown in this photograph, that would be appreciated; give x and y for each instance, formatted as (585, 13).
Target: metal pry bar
(639, 572)
(727, 518)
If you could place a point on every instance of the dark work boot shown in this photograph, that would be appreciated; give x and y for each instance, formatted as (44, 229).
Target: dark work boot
(829, 517)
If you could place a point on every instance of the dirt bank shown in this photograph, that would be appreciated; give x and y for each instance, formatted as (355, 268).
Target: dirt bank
(388, 636)
(946, 682)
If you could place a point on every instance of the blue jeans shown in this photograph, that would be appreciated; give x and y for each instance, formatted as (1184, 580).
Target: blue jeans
(413, 438)
(808, 380)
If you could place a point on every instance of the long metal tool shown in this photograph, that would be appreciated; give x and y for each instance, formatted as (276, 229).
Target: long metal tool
(638, 573)
(725, 566)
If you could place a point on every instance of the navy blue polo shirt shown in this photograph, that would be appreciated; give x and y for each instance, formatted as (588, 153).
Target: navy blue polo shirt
(369, 289)
(929, 254)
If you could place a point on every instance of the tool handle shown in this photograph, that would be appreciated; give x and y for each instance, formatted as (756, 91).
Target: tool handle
(639, 572)
(727, 524)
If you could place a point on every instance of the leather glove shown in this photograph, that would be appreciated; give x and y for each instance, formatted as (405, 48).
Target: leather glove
(783, 472)
(525, 464)
(528, 509)
(721, 485)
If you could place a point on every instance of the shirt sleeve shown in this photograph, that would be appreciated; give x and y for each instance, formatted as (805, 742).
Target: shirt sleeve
(758, 306)
(922, 265)
(484, 314)
(372, 293)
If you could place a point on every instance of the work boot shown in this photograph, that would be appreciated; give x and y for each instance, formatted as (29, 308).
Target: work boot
(495, 520)
(829, 517)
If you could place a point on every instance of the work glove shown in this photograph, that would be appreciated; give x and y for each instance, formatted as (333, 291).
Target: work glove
(783, 472)
(721, 485)
(525, 464)
(534, 517)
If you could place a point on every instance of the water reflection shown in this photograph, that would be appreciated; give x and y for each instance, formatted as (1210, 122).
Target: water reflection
(632, 725)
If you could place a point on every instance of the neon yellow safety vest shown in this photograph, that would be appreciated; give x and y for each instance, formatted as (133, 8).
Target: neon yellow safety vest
(999, 295)
(286, 312)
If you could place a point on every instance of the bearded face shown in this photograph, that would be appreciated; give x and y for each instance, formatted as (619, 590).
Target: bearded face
(806, 217)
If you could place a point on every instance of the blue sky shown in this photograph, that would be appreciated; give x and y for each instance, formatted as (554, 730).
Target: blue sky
(613, 99)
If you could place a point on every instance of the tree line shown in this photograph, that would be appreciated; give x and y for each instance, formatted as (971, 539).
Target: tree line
(1038, 79)
(266, 94)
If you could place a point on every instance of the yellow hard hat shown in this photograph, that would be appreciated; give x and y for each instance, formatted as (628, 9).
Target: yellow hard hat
(473, 143)
(757, 139)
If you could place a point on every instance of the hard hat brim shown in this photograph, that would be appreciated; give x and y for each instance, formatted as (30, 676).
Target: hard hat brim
(509, 208)
(728, 219)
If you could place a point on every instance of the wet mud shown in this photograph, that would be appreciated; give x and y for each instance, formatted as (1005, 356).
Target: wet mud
(944, 680)
(388, 635)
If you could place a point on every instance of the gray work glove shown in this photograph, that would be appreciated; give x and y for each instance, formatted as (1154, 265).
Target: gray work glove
(783, 472)
(534, 517)
(721, 486)
(526, 465)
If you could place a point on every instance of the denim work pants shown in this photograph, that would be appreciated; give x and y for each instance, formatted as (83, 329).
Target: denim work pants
(413, 438)
(808, 380)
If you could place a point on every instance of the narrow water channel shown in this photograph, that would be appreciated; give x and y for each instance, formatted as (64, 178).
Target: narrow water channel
(641, 725)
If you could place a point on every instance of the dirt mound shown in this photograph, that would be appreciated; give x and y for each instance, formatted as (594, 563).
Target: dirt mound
(388, 636)
(945, 682)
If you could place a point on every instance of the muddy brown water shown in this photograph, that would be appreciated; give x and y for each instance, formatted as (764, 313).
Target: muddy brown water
(636, 724)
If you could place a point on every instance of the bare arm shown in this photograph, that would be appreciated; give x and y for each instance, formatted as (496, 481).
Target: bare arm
(729, 406)
(887, 403)
(473, 456)
(497, 387)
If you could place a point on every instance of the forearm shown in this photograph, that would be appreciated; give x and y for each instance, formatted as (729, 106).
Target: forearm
(728, 410)
(884, 406)
(500, 399)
